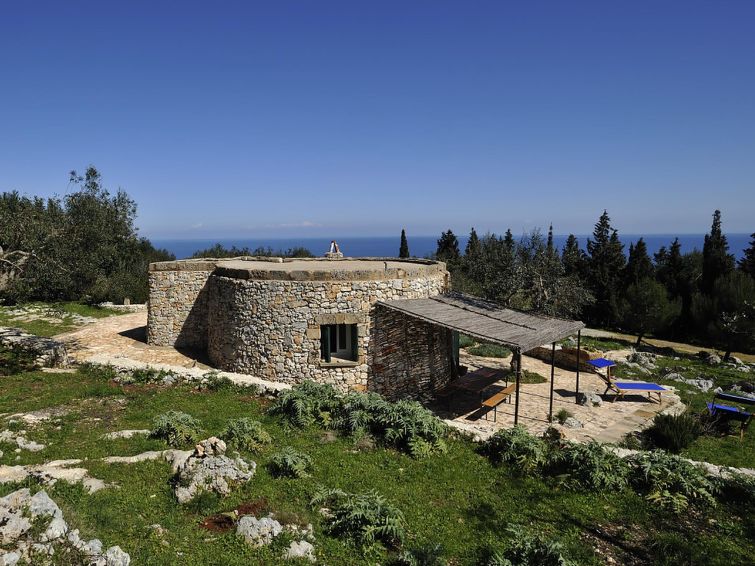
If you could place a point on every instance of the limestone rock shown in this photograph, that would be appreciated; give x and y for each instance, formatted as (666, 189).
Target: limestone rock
(713, 359)
(300, 549)
(258, 532)
(46, 351)
(125, 433)
(590, 399)
(114, 556)
(571, 422)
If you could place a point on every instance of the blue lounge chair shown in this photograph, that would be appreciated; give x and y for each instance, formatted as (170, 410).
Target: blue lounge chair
(731, 412)
(621, 388)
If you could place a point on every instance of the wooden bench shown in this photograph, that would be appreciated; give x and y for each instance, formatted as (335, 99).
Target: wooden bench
(493, 401)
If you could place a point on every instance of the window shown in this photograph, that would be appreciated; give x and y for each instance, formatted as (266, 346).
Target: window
(339, 342)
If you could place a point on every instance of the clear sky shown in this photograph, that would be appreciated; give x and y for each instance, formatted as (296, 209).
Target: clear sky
(327, 118)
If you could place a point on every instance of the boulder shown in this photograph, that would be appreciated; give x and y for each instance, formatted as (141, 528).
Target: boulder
(258, 532)
(712, 359)
(703, 385)
(300, 549)
(209, 469)
(645, 360)
(571, 422)
(45, 351)
(590, 399)
(114, 556)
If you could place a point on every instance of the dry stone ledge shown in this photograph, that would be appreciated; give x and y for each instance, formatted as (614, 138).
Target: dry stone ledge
(32, 529)
(46, 351)
(209, 469)
(50, 473)
(19, 439)
(126, 366)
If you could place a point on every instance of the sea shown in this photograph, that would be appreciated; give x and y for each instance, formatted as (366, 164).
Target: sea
(420, 246)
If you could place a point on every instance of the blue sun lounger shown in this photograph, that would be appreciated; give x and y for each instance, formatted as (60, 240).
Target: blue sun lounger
(730, 412)
(621, 388)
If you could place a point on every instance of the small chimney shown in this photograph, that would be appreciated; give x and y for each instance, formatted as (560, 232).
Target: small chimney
(334, 252)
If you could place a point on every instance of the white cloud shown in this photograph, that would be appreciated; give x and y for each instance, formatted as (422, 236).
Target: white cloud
(303, 224)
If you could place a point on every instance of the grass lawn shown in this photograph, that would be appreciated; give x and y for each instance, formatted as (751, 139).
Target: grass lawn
(49, 319)
(721, 450)
(457, 499)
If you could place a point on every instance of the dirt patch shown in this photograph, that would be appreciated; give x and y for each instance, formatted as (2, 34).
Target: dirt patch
(224, 522)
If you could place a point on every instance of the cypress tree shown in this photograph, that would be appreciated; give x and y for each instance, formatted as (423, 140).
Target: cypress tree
(403, 250)
(717, 261)
(639, 266)
(473, 244)
(605, 264)
(508, 240)
(747, 263)
(550, 250)
(448, 247)
(572, 257)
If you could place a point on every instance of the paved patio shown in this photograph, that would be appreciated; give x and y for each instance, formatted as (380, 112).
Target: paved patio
(606, 423)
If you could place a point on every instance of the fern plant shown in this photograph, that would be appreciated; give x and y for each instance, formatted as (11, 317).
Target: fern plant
(176, 428)
(671, 481)
(517, 448)
(591, 466)
(429, 555)
(367, 519)
(307, 403)
(290, 463)
(246, 434)
(527, 549)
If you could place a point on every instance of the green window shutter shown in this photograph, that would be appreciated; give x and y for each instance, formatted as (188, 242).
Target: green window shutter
(354, 342)
(456, 348)
(325, 342)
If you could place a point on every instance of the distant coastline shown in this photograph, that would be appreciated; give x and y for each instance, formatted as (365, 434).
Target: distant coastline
(419, 246)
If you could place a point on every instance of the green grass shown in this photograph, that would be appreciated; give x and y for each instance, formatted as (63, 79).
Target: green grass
(56, 318)
(721, 450)
(596, 344)
(489, 351)
(458, 499)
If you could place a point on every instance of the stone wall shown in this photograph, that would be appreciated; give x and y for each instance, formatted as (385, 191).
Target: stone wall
(271, 328)
(177, 309)
(411, 358)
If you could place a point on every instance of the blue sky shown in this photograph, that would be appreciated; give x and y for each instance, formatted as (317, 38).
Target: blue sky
(360, 118)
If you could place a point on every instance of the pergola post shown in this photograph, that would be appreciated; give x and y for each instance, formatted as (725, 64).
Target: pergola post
(518, 355)
(579, 361)
(553, 370)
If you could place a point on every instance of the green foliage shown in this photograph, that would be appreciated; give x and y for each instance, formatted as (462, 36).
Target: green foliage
(562, 415)
(527, 549)
(290, 464)
(403, 251)
(405, 425)
(647, 308)
(367, 518)
(488, 350)
(307, 403)
(747, 263)
(466, 341)
(176, 428)
(212, 381)
(148, 375)
(591, 466)
(717, 261)
(670, 481)
(15, 360)
(246, 434)
(220, 251)
(738, 488)
(82, 247)
(532, 377)
(605, 266)
(518, 448)
(428, 555)
(448, 247)
(673, 432)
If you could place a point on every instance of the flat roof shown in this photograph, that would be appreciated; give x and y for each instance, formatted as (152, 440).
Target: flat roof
(487, 321)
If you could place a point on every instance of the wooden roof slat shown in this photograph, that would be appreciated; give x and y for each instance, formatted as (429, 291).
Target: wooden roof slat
(486, 321)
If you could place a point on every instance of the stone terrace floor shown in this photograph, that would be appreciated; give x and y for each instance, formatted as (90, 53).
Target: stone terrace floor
(606, 423)
(124, 336)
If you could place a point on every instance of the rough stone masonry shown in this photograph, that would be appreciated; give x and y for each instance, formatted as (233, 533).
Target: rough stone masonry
(266, 317)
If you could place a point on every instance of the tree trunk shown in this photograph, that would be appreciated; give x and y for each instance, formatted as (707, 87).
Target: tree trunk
(639, 339)
(727, 355)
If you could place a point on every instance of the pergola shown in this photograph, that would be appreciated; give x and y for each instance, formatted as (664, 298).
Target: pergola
(488, 322)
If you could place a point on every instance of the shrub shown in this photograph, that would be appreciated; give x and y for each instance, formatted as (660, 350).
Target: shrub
(489, 351)
(738, 488)
(290, 463)
(307, 403)
(673, 432)
(591, 466)
(562, 415)
(246, 434)
(176, 428)
(405, 425)
(466, 341)
(429, 555)
(515, 446)
(213, 381)
(532, 377)
(15, 360)
(148, 375)
(365, 518)
(670, 481)
(527, 549)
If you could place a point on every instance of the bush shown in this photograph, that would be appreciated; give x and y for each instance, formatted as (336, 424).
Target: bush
(307, 403)
(738, 488)
(148, 375)
(212, 381)
(466, 341)
(515, 446)
(365, 518)
(14, 361)
(532, 377)
(670, 481)
(429, 555)
(562, 415)
(405, 425)
(176, 428)
(290, 464)
(673, 432)
(246, 434)
(527, 549)
(591, 466)
(489, 351)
